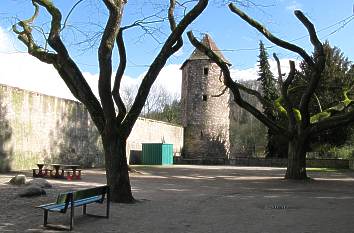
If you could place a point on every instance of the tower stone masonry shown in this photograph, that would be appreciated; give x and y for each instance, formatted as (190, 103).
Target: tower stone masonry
(205, 118)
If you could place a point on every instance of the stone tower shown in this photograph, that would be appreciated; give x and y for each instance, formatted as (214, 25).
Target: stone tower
(205, 118)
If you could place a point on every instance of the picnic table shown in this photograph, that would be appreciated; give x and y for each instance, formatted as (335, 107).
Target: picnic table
(40, 170)
(56, 167)
(64, 171)
(72, 171)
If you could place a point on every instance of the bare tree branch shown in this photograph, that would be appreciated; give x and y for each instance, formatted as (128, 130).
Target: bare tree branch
(71, 10)
(316, 65)
(109, 36)
(144, 21)
(316, 68)
(221, 93)
(171, 17)
(66, 67)
(171, 46)
(172, 21)
(119, 75)
(270, 36)
(312, 32)
(246, 90)
(332, 122)
(291, 75)
(284, 85)
(26, 37)
(54, 39)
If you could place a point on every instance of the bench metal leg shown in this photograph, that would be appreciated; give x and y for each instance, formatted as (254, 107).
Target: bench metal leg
(45, 222)
(84, 210)
(72, 218)
(108, 200)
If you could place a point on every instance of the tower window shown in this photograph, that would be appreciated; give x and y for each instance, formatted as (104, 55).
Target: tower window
(205, 97)
(205, 70)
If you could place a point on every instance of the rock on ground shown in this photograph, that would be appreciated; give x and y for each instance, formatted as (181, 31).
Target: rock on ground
(18, 180)
(40, 182)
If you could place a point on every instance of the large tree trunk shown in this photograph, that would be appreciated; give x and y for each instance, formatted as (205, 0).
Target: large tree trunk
(117, 168)
(297, 159)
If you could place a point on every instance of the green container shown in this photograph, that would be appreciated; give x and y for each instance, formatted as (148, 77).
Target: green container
(157, 154)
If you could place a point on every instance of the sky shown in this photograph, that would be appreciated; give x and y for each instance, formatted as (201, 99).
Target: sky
(237, 40)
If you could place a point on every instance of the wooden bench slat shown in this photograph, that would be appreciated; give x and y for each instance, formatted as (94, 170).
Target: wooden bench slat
(57, 208)
(82, 194)
(77, 203)
(45, 206)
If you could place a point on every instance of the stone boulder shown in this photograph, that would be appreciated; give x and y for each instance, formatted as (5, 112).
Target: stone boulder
(32, 191)
(40, 182)
(18, 180)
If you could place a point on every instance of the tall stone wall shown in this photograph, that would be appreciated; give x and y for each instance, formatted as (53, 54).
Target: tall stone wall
(42, 128)
(205, 118)
(38, 128)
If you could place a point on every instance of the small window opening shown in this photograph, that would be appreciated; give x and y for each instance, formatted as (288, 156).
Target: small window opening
(205, 97)
(206, 71)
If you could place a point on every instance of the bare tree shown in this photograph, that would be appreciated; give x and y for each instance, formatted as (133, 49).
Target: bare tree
(301, 126)
(158, 98)
(114, 127)
(128, 93)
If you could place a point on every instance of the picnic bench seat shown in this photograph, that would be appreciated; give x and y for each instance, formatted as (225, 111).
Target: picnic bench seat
(41, 172)
(70, 200)
(72, 174)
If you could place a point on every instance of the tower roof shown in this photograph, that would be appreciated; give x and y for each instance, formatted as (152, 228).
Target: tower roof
(209, 43)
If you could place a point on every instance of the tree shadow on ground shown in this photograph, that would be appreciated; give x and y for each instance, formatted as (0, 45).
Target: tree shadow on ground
(248, 184)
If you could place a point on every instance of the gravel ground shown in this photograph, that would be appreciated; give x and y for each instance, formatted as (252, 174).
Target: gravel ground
(199, 199)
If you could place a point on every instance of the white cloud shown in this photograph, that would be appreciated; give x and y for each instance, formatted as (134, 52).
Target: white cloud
(247, 74)
(170, 78)
(294, 5)
(179, 52)
(26, 72)
(5, 43)
(21, 70)
(252, 73)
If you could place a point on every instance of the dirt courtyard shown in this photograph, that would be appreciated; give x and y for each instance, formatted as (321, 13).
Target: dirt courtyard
(199, 199)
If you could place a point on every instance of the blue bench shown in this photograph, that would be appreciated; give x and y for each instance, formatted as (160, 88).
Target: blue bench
(70, 200)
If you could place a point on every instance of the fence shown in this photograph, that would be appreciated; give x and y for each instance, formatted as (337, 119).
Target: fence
(265, 162)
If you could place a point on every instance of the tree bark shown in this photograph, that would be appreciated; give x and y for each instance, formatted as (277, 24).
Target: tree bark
(296, 168)
(117, 174)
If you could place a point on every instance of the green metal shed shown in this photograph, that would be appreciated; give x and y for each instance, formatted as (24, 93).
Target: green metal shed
(157, 154)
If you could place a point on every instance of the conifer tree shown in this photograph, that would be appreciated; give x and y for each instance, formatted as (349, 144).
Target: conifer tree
(270, 93)
(336, 80)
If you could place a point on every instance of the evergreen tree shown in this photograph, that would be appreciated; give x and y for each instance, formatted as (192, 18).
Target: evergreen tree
(337, 78)
(269, 91)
